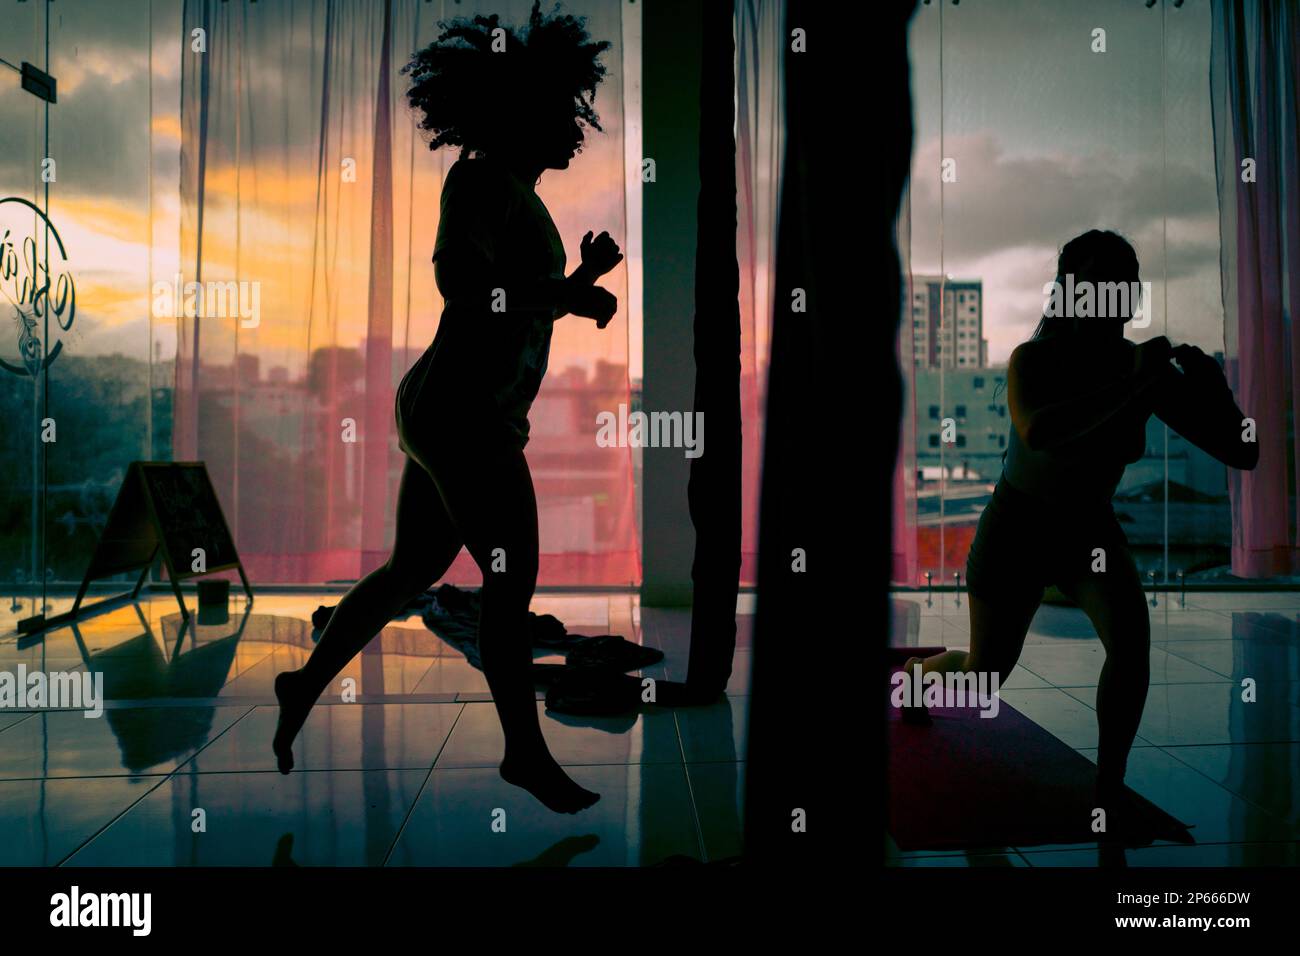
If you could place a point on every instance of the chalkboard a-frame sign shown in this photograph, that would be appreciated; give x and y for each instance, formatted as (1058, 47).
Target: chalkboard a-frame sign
(167, 506)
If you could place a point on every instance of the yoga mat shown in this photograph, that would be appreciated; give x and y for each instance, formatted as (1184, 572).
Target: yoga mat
(967, 781)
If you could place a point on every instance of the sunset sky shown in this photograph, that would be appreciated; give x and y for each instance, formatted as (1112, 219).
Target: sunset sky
(1050, 139)
(100, 135)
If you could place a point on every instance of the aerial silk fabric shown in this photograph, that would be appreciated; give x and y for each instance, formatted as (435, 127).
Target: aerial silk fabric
(805, 708)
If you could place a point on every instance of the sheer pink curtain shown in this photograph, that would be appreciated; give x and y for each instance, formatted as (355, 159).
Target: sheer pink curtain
(1255, 92)
(904, 549)
(759, 147)
(306, 186)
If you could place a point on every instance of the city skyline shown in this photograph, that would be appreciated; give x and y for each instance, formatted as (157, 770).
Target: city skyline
(954, 336)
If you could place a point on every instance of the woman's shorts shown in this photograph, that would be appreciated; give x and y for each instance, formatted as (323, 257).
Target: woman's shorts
(1024, 544)
(439, 415)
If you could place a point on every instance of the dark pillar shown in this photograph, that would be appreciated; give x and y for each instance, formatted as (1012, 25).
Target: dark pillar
(670, 110)
(816, 729)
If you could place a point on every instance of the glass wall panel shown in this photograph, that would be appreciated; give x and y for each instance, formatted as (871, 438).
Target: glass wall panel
(75, 383)
(1199, 517)
(25, 347)
(1037, 121)
(99, 397)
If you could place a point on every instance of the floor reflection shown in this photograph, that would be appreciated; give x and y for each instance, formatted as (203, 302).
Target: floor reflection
(179, 771)
(1219, 742)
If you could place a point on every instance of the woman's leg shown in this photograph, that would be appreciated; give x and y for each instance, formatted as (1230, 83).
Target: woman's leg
(489, 495)
(1114, 602)
(424, 547)
(997, 636)
(1001, 560)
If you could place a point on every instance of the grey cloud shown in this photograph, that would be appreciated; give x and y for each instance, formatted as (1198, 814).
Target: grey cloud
(1005, 202)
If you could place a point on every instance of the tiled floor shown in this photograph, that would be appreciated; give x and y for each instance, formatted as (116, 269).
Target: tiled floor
(178, 770)
(1204, 753)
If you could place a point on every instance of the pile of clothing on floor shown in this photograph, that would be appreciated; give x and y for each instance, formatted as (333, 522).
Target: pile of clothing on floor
(594, 678)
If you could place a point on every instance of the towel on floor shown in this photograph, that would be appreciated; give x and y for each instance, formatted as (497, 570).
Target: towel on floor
(593, 679)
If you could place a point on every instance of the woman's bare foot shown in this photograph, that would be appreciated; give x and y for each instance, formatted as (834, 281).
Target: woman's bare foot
(1127, 822)
(546, 780)
(295, 704)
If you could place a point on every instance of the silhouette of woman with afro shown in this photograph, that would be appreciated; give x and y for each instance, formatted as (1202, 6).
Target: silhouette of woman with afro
(515, 102)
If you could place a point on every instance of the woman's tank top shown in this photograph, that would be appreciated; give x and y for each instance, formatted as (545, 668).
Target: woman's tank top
(1060, 477)
(491, 361)
(1082, 474)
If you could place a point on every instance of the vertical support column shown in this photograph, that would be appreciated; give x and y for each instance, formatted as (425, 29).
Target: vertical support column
(670, 88)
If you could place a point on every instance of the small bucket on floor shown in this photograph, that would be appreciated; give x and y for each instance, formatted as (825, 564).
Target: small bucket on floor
(214, 593)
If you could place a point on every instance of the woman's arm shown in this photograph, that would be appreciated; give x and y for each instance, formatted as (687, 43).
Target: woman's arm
(476, 205)
(1199, 405)
(1044, 425)
(465, 275)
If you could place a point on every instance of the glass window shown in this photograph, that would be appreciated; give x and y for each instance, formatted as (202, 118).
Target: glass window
(1025, 111)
